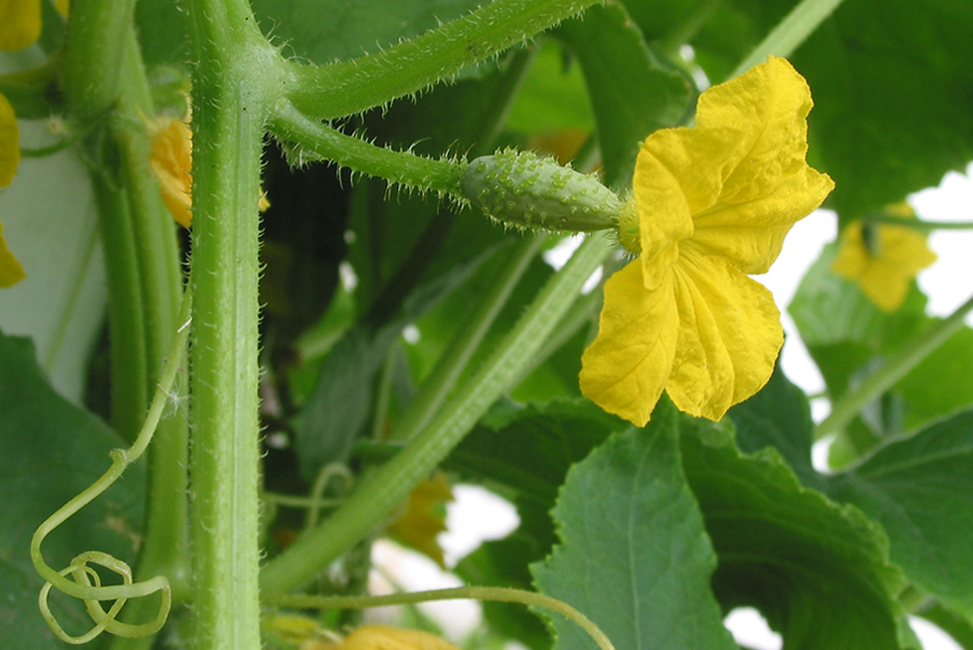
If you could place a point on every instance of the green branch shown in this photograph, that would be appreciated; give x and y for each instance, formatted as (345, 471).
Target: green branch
(346, 88)
(312, 140)
(788, 35)
(921, 225)
(386, 487)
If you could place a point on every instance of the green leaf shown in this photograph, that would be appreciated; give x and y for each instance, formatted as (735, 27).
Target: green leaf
(779, 416)
(322, 31)
(631, 94)
(818, 571)
(553, 97)
(870, 51)
(162, 32)
(524, 454)
(634, 556)
(919, 489)
(51, 452)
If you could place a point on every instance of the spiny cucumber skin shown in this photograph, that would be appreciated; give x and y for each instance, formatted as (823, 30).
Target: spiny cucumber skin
(521, 189)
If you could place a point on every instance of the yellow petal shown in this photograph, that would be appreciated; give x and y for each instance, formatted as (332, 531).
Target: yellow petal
(768, 185)
(626, 367)
(383, 637)
(9, 142)
(738, 181)
(171, 161)
(729, 336)
(20, 23)
(63, 6)
(11, 272)
(677, 174)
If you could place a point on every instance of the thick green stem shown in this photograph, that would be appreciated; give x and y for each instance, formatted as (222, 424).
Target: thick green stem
(895, 368)
(96, 51)
(316, 141)
(385, 489)
(233, 76)
(327, 92)
(789, 33)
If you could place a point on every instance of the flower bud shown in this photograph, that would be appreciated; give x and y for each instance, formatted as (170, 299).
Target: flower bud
(521, 189)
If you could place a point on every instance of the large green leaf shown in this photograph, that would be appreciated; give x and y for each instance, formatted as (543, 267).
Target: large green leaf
(51, 452)
(919, 489)
(779, 416)
(524, 453)
(322, 31)
(634, 556)
(631, 94)
(892, 112)
(818, 571)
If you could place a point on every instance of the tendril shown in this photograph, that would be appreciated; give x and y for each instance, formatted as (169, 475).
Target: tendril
(79, 579)
(499, 594)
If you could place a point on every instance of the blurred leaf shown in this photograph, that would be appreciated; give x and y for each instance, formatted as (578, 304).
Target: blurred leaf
(51, 452)
(818, 571)
(634, 556)
(553, 97)
(919, 489)
(340, 403)
(958, 627)
(162, 32)
(322, 31)
(631, 94)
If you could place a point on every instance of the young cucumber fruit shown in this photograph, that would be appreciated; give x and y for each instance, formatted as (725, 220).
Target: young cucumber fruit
(521, 189)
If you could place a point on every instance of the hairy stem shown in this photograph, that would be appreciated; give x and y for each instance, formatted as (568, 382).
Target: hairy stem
(340, 89)
(233, 77)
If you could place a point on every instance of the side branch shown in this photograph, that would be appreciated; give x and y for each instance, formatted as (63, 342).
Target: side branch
(349, 87)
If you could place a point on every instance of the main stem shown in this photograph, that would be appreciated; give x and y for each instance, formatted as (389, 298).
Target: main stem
(232, 67)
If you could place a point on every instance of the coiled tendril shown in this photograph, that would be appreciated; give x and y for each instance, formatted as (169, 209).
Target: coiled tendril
(79, 579)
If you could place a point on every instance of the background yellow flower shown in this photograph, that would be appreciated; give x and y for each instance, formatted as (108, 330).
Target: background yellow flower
(714, 204)
(883, 259)
(11, 271)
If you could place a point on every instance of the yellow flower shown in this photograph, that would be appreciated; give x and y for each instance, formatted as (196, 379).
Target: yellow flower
(883, 258)
(384, 637)
(711, 205)
(20, 22)
(11, 271)
(171, 161)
